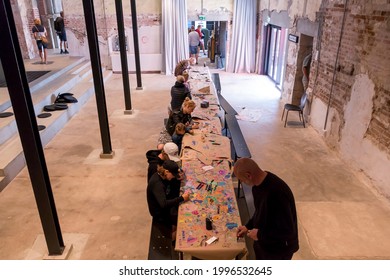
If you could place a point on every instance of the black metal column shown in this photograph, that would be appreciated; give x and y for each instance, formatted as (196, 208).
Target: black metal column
(123, 52)
(23, 108)
(136, 44)
(90, 23)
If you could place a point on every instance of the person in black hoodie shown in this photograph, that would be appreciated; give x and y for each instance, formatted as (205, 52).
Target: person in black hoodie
(273, 226)
(156, 158)
(163, 208)
(179, 92)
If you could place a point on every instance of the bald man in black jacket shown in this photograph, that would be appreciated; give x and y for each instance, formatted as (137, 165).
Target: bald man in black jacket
(273, 226)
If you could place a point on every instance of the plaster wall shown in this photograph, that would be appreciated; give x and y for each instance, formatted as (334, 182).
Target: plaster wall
(289, 80)
(295, 8)
(214, 10)
(277, 5)
(24, 15)
(317, 120)
(313, 6)
(359, 113)
(148, 22)
(354, 145)
(358, 121)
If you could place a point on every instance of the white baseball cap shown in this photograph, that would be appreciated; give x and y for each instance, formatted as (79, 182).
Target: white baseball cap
(172, 151)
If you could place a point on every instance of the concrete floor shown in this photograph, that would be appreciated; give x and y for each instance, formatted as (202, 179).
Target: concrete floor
(102, 206)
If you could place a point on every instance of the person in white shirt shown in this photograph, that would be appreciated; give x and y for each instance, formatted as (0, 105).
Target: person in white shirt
(193, 42)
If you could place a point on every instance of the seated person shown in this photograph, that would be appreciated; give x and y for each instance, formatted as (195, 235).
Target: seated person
(163, 208)
(157, 157)
(184, 65)
(182, 116)
(178, 93)
(177, 137)
(186, 76)
(163, 138)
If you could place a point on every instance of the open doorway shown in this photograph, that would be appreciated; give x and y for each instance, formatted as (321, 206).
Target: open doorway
(214, 41)
(52, 11)
(275, 53)
(303, 61)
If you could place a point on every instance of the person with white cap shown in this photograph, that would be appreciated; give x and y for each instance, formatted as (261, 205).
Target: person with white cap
(172, 150)
(157, 157)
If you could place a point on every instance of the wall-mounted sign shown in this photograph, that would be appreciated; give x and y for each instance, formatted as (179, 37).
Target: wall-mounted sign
(202, 17)
(293, 38)
(201, 23)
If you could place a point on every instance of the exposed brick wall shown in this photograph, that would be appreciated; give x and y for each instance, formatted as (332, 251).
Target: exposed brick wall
(364, 50)
(107, 27)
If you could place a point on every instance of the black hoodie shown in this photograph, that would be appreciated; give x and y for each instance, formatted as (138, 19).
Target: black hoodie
(179, 92)
(154, 161)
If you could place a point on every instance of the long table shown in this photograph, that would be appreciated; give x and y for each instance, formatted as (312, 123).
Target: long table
(206, 161)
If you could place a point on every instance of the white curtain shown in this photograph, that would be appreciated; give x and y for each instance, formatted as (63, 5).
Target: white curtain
(174, 34)
(242, 47)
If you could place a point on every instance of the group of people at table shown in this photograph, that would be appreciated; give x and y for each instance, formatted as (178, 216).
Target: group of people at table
(190, 188)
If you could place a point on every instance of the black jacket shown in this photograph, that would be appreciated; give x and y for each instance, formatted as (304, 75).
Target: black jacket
(179, 92)
(275, 215)
(154, 161)
(159, 204)
(175, 118)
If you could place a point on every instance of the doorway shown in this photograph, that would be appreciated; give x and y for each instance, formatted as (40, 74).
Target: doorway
(275, 53)
(215, 40)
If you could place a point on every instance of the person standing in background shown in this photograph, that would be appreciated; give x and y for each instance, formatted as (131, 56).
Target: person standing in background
(306, 71)
(201, 36)
(193, 42)
(59, 26)
(40, 33)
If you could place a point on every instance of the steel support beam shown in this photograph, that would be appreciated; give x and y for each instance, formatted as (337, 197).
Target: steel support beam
(123, 52)
(23, 108)
(136, 43)
(90, 23)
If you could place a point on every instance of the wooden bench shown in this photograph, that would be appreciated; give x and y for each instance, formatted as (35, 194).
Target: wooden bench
(160, 244)
(217, 82)
(228, 110)
(226, 106)
(232, 128)
(239, 147)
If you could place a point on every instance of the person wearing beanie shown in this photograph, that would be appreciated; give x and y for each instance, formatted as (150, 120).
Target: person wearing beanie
(162, 208)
